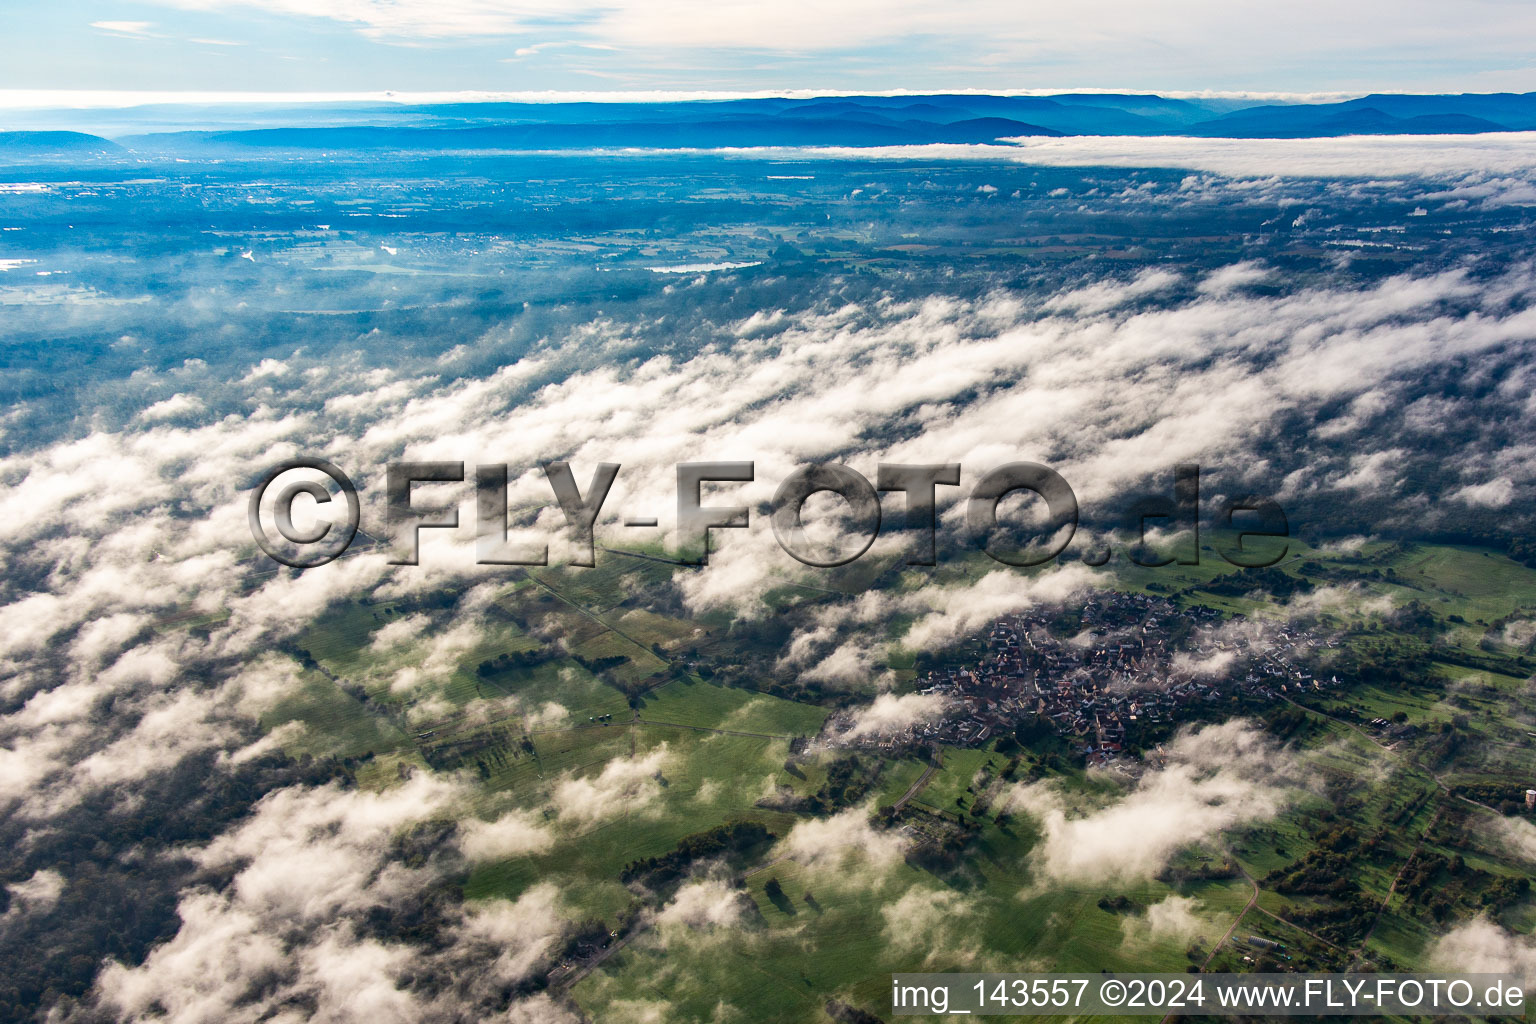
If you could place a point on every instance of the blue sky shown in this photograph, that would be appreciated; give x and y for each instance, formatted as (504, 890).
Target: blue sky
(735, 45)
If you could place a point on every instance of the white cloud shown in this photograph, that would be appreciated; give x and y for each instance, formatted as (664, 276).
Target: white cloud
(177, 405)
(1217, 777)
(1103, 296)
(1350, 597)
(126, 28)
(1517, 836)
(1504, 154)
(938, 923)
(1495, 493)
(890, 714)
(1211, 666)
(710, 903)
(843, 838)
(624, 786)
(38, 894)
(514, 834)
(1173, 920)
(407, 18)
(398, 632)
(962, 609)
(546, 716)
(309, 866)
(267, 368)
(517, 934)
(1484, 947)
(539, 1009)
(1145, 44)
(1234, 276)
(116, 559)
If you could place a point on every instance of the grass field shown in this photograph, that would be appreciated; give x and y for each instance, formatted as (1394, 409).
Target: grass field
(701, 704)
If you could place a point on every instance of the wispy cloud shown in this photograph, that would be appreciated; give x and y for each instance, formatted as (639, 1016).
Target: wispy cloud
(125, 28)
(524, 52)
(1342, 44)
(1217, 777)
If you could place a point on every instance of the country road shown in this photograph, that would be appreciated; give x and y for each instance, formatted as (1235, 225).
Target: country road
(916, 787)
(1253, 901)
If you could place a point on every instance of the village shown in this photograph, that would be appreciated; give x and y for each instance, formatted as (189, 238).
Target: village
(1123, 667)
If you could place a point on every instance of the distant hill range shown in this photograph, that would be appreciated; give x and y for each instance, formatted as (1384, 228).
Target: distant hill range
(50, 144)
(684, 133)
(860, 121)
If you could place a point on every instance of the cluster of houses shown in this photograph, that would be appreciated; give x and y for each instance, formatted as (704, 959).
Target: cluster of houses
(1135, 657)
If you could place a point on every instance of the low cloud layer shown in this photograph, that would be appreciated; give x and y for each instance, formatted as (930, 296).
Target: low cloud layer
(889, 715)
(514, 834)
(128, 526)
(1173, 921)
(931, 929)
(1217, 777)
(844, 839)
(291, 928)
(624, 786)
(709, 903)
(1485, 947)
